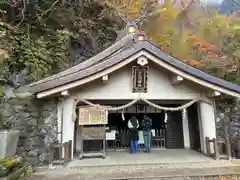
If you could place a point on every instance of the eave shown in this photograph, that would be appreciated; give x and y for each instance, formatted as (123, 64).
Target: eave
(114, 62)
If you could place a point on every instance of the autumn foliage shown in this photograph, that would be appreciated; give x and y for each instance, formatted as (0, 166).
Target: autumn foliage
(187, 31)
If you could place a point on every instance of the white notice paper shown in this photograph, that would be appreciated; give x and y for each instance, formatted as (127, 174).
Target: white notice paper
(153, 133)
(111, 135)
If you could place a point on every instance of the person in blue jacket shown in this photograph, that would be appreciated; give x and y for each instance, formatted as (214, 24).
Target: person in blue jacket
(147, 132)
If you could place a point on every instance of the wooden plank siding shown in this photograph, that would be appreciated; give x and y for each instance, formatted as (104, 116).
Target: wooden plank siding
(174, 134)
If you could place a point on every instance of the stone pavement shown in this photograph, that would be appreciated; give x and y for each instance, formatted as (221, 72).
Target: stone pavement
(155, 157)
(170, 164)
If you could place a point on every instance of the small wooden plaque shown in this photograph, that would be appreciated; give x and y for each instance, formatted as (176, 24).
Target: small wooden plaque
(140, 78)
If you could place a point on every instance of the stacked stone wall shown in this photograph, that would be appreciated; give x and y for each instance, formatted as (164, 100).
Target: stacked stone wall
(37, 122)
(228, 122)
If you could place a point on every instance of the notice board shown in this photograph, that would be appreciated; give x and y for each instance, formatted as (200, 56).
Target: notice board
(93, 133)
(89, 115)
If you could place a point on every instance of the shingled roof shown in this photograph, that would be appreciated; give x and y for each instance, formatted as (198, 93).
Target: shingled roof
(118, 52)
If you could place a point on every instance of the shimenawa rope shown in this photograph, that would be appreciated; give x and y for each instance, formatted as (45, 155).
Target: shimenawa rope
(110, 108)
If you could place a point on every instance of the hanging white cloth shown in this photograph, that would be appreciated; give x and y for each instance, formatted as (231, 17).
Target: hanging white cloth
(123, 117)
(165, 117)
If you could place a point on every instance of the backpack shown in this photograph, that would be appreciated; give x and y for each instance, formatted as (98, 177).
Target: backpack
(147, 124)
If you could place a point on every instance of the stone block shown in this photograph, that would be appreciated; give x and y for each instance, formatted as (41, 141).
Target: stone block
(28, 144)
(44, 158)
(33, 153)
(34, 114)
(45, 113)
(31, 122)
(32, 160)
(38, 141)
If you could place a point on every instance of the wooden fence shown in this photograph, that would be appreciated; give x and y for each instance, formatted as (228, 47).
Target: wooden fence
(60, 153)
(121, 141)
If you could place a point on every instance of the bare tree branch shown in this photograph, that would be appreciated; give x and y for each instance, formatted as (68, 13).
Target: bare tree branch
(48, 10)
(118, 13)
(22, 12)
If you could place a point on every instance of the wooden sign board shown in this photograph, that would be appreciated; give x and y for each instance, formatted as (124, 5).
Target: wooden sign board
(89, 115)
(93, 133)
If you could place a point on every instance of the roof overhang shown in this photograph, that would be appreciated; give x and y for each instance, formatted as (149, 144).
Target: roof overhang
(152, 57)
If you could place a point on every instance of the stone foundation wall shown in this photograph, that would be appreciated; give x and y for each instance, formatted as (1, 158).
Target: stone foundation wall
(37, 122)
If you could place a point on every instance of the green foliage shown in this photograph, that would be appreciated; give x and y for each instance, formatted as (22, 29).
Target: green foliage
(30, 54)
(37, 35)
(35, 54)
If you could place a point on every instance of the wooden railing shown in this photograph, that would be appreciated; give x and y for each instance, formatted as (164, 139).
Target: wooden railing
(122, 142)
(61, 153)
(221, 148)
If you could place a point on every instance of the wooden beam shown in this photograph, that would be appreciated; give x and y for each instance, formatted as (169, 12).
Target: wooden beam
(65, 93)
(105, 79)
(176, 80)
(213, 94)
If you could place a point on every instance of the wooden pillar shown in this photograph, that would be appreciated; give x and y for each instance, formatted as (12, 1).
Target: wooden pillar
(208, 152)
(186, 135)
(66, 152)
(70, 146)
(216, 149)
(208, 125)
(228, 147)
(68, 121)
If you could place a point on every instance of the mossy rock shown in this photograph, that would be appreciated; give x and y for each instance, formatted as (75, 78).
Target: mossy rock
(20, 172)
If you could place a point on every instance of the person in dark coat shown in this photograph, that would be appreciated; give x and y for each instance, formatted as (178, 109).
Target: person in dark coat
(147, 132)
(133, 125)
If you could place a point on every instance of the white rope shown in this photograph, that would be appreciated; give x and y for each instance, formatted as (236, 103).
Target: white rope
(110, 108)
(171, 108)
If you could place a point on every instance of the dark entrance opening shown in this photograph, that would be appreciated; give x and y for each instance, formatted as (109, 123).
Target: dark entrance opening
(116, 123)
(193, 124)
(167, 133)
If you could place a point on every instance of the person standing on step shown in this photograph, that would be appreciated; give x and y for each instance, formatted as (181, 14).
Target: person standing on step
(133, 125)
(147, 132)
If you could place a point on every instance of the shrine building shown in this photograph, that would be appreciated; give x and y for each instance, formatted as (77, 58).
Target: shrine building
(134, 77)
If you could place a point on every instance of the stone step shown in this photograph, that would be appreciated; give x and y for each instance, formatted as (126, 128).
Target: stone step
(96, 167)
(211, 163)
(136, 174)
(129, 172)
